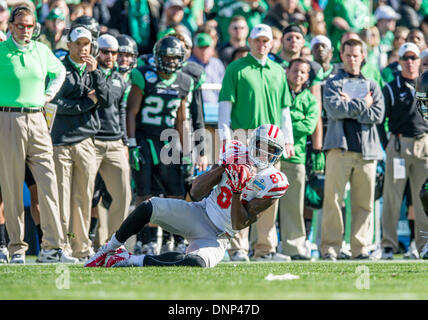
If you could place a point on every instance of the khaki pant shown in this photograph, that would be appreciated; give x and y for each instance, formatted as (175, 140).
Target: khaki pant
(25, 139)
(113, 166)
(415, 153)
(292, 225)
(76, 169)
(341, 167)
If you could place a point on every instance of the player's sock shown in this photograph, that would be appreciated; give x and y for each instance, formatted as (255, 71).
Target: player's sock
(2, 234)
(136, 220)
(39, 233)
(114, 243)
(136, 260)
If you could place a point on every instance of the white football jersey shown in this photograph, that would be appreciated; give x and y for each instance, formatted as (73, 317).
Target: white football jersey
(269, 183)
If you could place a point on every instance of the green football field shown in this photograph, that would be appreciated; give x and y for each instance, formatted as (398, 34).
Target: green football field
(398, 280)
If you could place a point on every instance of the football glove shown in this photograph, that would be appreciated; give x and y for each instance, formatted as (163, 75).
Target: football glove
(238, 175)
(135, 157)
(318, 160)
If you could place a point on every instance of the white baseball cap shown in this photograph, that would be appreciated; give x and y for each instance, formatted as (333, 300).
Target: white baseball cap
(107, 41)
(80, 32)
(387, 13)
(321, 39)
(408, 47)
(261, 30)
(174, 3)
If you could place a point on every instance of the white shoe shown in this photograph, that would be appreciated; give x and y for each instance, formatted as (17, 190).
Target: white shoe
(18, 258)
(119, 259)
(4, 255)
(239, 256)
(412, 252)
(55, 256)
(273, 256)
(387, 253)
(98, 259)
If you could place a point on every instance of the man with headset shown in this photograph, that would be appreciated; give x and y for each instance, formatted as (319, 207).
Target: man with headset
(73, 133)
(25, 66)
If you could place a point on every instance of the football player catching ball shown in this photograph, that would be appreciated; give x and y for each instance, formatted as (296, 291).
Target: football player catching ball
(228, 198)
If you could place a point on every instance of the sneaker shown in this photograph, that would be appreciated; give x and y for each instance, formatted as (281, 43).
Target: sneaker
(181, 247)
(328, 257)
(119, 259)
(55, 256)
(4, 255)
(97, 260)
(18, 258)
(412, 252)
(344, 254)
(273, 256)
(151, 249)
(239, 256)
(387, 253)
(362, 257)
(300, 257)
(167, 247)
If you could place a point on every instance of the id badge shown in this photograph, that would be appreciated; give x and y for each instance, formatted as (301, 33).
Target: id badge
(399, 168)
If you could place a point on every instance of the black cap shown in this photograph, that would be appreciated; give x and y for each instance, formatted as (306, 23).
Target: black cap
(293, 28)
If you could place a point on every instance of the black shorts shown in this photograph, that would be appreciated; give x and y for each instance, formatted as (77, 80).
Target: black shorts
(29, 179)
(154, 177)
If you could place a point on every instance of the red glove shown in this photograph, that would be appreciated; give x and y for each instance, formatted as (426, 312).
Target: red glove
(239, 175)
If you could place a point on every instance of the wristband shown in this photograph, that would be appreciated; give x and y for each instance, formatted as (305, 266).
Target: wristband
(132, 142)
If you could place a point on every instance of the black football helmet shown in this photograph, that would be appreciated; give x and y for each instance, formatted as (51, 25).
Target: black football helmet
(89, 23)
(127, 45)
(422, 94)
(169, 54)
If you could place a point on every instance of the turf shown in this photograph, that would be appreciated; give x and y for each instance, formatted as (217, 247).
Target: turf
(243, 281)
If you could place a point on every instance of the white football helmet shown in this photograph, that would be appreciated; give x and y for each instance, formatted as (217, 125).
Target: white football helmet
(266, 145)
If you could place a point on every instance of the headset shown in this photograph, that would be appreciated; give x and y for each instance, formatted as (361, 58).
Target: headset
(37, 27)
(95, 50)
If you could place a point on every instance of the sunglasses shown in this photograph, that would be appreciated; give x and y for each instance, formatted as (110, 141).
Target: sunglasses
(238, 27)
(409, 58)
(22, 26)
(106, 52)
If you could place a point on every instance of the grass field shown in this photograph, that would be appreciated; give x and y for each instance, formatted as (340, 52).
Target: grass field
(397, 280)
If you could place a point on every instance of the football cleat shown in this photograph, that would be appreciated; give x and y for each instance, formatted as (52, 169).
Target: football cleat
(98, 259)
(4, 254)
(424, 252)
(412, 252)
(240, 256)
(118, 259)
(55, 256)
(18, 258)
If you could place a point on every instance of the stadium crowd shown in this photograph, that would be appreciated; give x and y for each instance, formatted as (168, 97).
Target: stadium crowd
(338, 77)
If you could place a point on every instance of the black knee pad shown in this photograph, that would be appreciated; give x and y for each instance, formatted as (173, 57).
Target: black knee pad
(193, 260)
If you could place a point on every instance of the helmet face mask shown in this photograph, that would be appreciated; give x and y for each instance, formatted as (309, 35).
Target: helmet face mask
(266, 146)
(169, 54)
(128, 47)
(422, 95)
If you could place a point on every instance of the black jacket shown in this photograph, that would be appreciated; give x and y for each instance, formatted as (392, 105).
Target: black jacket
(76, 118)
(112, 110)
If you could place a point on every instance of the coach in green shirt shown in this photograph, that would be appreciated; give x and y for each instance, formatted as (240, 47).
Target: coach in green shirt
(24, 65)
(254, 91)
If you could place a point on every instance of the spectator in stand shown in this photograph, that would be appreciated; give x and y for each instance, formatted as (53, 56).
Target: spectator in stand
(204, 54)
(353, 146)
(101, 13)
(276, 41)
(386, 20)
(409, 13)
(139, 19)
(4, 17)
(238, 32)
(393, 68)
(424, 60)
(304, 112)
(240, 53)
(280, 14)
(407, 145)
(211, 30)
(317, 24)
(417, 37)
(53, 34)
(82, 9)
(173, 14)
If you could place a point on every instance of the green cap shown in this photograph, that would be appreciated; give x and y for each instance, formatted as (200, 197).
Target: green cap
(203, 40)
(56, 13)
